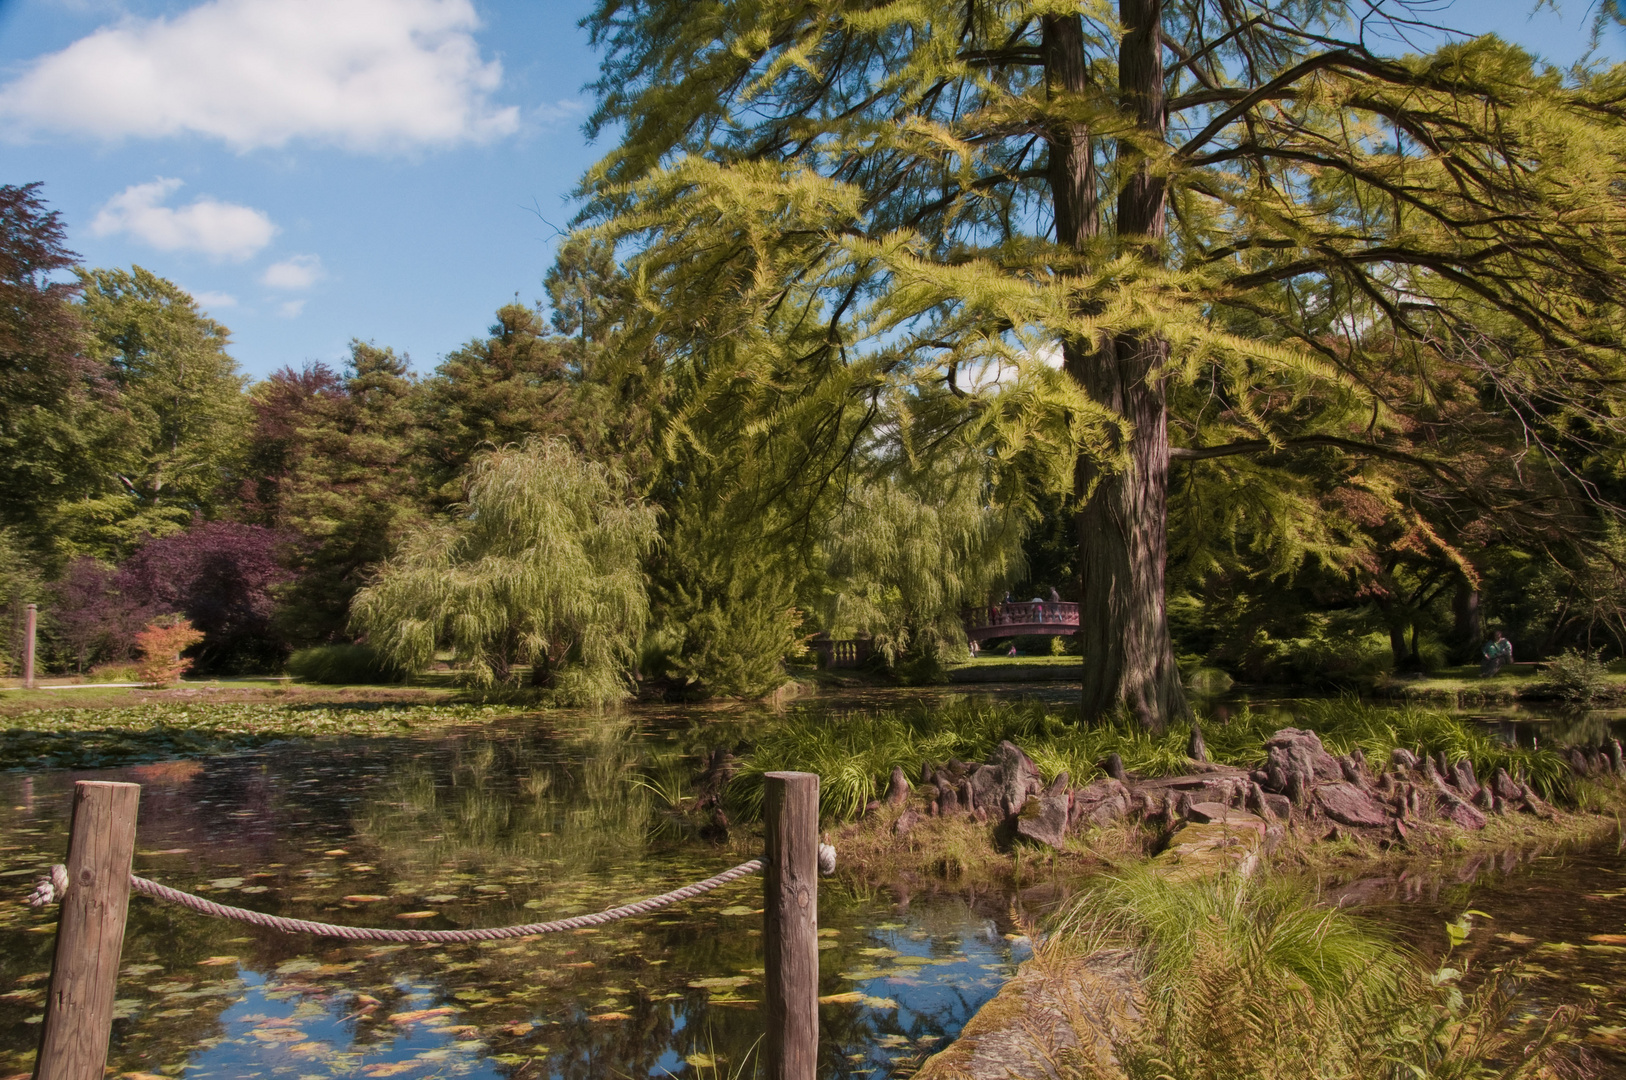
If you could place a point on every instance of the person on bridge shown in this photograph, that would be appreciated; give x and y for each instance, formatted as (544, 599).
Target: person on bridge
(1055, 597)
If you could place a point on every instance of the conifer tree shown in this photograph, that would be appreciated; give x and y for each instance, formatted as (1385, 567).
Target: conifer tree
(513, 385)
(1241, 216)
(350, 490)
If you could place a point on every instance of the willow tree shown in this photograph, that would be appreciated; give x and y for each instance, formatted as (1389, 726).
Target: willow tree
(1243, 204)
(543, 565)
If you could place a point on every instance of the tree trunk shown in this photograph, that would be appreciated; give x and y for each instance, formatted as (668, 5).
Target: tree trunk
(1467, 621)
(1123, 513)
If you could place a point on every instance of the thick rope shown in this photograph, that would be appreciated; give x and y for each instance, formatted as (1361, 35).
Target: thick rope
(54, 887)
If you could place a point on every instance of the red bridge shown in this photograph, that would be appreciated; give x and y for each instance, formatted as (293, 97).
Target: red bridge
(1032, 617)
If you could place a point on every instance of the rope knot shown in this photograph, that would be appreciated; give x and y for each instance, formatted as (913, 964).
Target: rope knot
(51, 888)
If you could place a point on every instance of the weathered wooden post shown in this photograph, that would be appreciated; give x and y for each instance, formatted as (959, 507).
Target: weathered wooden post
(30, 623)
(89, 932)
(791, 915)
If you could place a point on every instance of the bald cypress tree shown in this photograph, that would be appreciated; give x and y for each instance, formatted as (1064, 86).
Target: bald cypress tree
(1241, 228)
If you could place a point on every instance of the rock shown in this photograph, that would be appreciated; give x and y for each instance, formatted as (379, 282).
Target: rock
(1505, 786)
(1441, 765)
(1254, 800)
(949, 802)
(1386, 783)
(1578, 762)
(925, 773)
(1113, 765)
(1359, 758)
(1348, 804)
(1101, 802)
(986, 787)
(929, 792)
(1467, 783)
(1196, 750)
(1044, 817)
(871, 806)
(898, 792)
(1401, 758)
(1485, 799)
(1019, 776)
(1616, 761)
(1301, 760)
(1205, 812)
(1181, 806)
(1464, 814)
(1260, 777)
(1279, 805)
(906, 821)
(1352, 774)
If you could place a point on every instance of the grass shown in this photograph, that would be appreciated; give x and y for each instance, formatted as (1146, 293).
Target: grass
(854, 752)
(1250, 977)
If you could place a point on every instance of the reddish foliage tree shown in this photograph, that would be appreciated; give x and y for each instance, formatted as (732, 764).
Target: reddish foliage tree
(161, 645)
(91, 618)
(222, 576)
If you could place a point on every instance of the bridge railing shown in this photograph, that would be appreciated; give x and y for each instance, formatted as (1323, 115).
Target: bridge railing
(1024, 613)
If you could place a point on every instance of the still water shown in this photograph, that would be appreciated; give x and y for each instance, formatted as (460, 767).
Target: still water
(536, 817)
(512, 823)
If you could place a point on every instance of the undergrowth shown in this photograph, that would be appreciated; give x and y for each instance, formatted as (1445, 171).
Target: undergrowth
(854, 752)
(1249, 977)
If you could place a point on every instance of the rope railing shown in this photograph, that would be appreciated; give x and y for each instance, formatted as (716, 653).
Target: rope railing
(54, 886)
(95, 884)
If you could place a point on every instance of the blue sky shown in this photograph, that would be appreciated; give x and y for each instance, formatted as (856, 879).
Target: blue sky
(318, 170)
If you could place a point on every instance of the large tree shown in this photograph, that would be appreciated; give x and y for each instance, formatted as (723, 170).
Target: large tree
(1238, 210)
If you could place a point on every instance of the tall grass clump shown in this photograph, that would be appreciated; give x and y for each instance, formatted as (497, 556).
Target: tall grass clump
(341, 664)
(1349, 723)
(855, 752)
(1249, 977)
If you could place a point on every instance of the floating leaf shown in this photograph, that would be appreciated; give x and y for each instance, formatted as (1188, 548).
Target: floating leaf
(851, 997)
(364, 898)
(417, 914)
(610, 1016)
(720, 982)
(287, 1035)
(217, 961)
(225, 883)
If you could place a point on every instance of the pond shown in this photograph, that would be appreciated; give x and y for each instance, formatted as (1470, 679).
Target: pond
(511, 823)
(541, 816)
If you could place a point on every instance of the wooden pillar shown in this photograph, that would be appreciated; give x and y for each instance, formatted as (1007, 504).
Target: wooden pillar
(89, 932)
(30, 621)
(791, 915)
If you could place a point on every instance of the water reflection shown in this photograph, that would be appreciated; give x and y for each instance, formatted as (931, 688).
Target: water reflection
(506, 824)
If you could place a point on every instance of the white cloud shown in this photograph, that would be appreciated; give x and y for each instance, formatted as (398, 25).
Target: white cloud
(214, 301)
(363, 74)
(291, 309)
(293, 273)
(217, 229)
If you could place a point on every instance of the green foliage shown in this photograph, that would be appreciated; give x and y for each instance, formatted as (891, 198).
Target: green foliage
(854, 753)
(542, 565)
(342, 664)
(348, 488)
(180, 445)
(1577, 676)
(911, 549)
(1377, 730)
(20, 584)
(510, 386)
(1247, 976)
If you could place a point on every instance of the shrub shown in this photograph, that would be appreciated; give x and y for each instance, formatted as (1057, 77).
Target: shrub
(1250, 977)
(160, 646)
(1576, 676)
(343, 664)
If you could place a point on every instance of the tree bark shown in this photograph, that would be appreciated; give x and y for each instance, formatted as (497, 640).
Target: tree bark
(1468, 626)
(1123, 512)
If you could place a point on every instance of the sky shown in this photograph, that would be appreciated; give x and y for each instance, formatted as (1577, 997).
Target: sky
(315, 171)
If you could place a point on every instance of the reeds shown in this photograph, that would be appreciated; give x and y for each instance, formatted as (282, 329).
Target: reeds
(1250, 977)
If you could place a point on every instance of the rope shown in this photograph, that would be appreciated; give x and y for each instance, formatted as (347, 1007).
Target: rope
(55, 887)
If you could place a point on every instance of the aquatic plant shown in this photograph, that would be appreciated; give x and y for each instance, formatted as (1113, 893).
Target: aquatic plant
(1249, 976)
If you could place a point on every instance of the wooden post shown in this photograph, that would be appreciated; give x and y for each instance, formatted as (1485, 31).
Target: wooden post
(30, 620)
(791, 915)
(89, 932)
